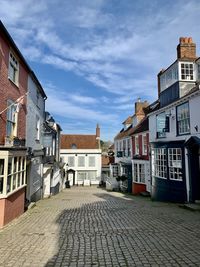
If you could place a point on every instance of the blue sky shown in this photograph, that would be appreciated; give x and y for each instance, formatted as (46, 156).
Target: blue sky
(94, 58)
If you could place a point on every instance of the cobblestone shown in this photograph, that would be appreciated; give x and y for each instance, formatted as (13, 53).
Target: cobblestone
(85, 227)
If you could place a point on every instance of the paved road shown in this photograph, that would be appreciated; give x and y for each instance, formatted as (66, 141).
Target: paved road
(91, 227)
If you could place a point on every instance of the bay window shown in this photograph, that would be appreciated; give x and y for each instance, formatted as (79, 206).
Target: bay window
(12, 172)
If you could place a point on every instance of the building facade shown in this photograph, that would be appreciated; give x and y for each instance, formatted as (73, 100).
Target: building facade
(13, 107)
(140, 158)
(175, 129)
(123, 147)
(82, 156)
(35, 119)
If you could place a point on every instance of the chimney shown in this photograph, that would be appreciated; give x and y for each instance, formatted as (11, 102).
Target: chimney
(139, 109)
(186, 48)
(98, 135)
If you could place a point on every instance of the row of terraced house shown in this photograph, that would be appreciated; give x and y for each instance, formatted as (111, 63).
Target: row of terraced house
(158, 149)
(35, 159)
(30, 167)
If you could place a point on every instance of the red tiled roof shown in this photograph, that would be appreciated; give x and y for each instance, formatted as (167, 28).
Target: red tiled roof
(81, 141)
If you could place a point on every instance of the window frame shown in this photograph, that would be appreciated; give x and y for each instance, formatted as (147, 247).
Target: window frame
(139, 172)
(14, 177)
(137, 146)
(79, 158)
(178, 121)
(144, 150)
(11, 119)
(14, 66)
(89, 161)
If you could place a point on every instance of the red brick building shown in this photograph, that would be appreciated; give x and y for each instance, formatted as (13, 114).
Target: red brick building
(140, 159)
(13, 88)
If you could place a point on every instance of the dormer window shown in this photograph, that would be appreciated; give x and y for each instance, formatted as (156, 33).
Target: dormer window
(73, 146)
(187, 71)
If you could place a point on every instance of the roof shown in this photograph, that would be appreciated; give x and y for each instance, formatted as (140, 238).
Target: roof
(142, 126)
(80, 141)
(11, 41)
(123, 133)
(128, 120)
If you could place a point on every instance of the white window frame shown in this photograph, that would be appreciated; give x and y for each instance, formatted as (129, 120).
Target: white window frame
(144, 146)
(37, 128)
(139, 172)
(159, 162)
(91, 161)
(137, 148)
(183, 120)
(71, 161)
(11, 120)
(175, 164)
(14, 179)
(186, 71)
(81, 164)
(13, 69)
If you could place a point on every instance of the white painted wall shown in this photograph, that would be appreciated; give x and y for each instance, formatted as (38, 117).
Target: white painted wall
(194, 103)
(65, 153)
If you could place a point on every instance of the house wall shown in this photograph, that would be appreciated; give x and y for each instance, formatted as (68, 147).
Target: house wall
(172, 134)
(119, 143)
(35, 109)
(11, 207)
(166, 189)
(65, 153)
(140, 136)
(11, 91)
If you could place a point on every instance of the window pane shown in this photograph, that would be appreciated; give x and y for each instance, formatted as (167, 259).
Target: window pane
(92, 161)
(81, 161)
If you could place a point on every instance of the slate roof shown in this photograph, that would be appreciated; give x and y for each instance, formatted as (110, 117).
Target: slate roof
(142, 126)
(123, 133)
(81, 141)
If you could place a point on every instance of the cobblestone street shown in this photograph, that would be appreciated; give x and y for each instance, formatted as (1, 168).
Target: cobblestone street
(92, 227)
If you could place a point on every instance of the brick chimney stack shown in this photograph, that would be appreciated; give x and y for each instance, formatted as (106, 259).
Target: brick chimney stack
(98, 135)
(186, 48)
(139, 109)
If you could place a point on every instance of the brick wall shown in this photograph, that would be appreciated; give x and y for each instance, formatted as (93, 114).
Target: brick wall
(12, 207)
(145, 157)
(9, 90)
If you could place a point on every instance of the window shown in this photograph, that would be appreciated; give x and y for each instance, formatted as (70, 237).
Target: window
(37, 128)
(13, 69)
(187, 71)
(73, 146)
(136, 145)
(198, 71)
(11, 124)
(139, 172)
(175, 163)
(144, 144)
(81, 176)
(159, 162)
(71, 161)
(124, 148)
(91, 161)
(183, 119)
(81, 161)
(92, 175)
(2, 162)
(129, 147)
(115, 170)
(16, 174)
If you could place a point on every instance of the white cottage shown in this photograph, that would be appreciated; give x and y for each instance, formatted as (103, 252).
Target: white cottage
(82, 156)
